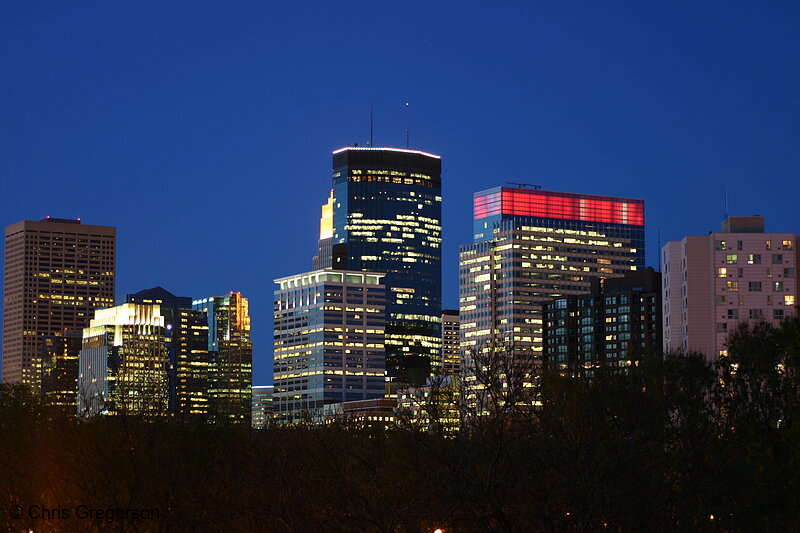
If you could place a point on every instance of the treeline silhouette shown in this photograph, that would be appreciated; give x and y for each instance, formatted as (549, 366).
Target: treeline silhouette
(671, 444)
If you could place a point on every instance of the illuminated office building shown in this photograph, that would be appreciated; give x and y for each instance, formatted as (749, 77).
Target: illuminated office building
(451, 352)
(123, 364)
(60, 370)
(57, 272)
(532, 246)
(387, 218)
(714, 282)
(329, 342)
(261, 406)
(230, 357)
(188, 350)
(611, 326)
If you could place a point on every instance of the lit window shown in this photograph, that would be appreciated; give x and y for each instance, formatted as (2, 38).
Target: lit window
(720, 245)
(753, 259)
(788, 299)
(732, 259)
(732, 285)
(777, 286)
(787, 245)
(722, 272)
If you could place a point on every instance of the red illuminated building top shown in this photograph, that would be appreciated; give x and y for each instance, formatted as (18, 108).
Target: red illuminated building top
(547, 204)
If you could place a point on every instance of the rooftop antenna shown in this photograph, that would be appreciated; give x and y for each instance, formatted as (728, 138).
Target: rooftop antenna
(524, 185)
(726, 203)
(408, 124)
(371, 122)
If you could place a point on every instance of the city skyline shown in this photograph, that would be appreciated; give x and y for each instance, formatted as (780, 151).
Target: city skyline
(587, 101)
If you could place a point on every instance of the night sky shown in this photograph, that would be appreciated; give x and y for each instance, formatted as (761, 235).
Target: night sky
(203, 131)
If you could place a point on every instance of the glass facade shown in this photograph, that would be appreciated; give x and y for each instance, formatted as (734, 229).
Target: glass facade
(123, 364)
(607, 327)
(188, 350)
(387, 218)
(230, 350)
(522, 259)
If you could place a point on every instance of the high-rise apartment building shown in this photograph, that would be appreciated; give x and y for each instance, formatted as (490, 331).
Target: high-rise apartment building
(713, 282)
(188, 350)
(329, 342)
(619, 320)
(451, 351)
(230, 357)
(387, 218)
(57, 272)
(532, 246)
(124, 362)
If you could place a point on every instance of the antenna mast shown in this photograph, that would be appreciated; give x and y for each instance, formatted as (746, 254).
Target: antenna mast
(371, 122)
(408, 124)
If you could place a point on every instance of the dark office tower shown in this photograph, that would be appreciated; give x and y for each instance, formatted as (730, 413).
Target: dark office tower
(230, 357)
(57, 272)
(532, 246)
(451, 351)
(60, 370)
(188, 350)
(387, 218)
(619, 320)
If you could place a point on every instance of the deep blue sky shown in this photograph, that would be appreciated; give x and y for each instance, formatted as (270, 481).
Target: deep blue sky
(203, 130)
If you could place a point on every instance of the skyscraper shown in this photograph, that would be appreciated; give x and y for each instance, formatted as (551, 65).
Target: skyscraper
(60, 370)
(387, 218)
(188, 350)
(124, 361)
(57, 272)
(329, 341)
(532, 246)
(230, 357)
(713, 282)
(616, 322)
(261, 406)
(451, 350)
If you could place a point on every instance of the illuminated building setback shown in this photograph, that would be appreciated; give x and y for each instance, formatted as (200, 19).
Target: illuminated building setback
(57, 272)
(329, 342)
(230, 350)
(714, 282)
(387, 218)
(532, 246)
(123, 364)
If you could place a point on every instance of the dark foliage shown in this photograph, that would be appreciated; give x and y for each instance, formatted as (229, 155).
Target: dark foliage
(673, 444)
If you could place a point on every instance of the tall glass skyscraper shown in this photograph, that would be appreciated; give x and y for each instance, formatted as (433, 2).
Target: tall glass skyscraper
(387, 213)
(532, 246)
